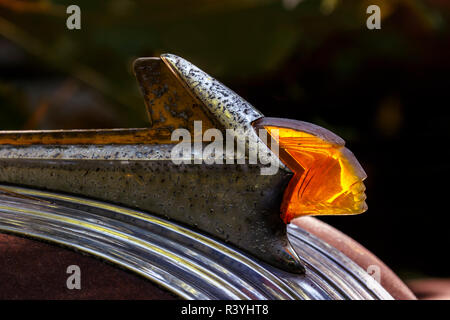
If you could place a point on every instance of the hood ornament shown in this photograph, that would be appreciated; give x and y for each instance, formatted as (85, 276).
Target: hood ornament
(300, 169)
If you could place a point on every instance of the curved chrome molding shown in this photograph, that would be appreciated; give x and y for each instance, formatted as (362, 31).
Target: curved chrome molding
(180, 259)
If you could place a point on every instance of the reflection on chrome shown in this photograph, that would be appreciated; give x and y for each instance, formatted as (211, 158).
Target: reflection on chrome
(183, 261)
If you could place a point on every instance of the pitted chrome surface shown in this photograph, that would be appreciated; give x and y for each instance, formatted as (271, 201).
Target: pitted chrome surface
(187, 263)
(89, 152)
(231, 110)
(232, 202)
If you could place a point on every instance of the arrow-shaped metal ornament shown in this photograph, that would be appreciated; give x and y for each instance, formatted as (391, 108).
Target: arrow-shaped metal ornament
(235, 201)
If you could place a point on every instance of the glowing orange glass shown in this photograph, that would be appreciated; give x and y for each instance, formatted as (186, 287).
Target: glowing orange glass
(328, 180)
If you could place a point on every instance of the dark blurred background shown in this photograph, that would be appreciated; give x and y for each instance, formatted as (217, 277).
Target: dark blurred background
(386, 92)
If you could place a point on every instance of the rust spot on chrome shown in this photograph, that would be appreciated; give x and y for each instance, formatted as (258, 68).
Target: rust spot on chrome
(169, 104)
(95, 136)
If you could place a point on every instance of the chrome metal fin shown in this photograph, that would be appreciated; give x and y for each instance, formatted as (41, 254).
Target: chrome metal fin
(169, 105)
(232, 202)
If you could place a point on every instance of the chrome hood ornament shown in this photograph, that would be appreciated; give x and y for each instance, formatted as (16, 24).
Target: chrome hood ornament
(234, 200)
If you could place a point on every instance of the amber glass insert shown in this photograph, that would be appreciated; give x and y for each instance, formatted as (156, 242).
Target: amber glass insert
(328, 180)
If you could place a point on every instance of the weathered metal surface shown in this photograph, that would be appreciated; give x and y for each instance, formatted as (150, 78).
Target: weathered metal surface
(233, 202)
(169, 105)
(87, 137)
(230, 109)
